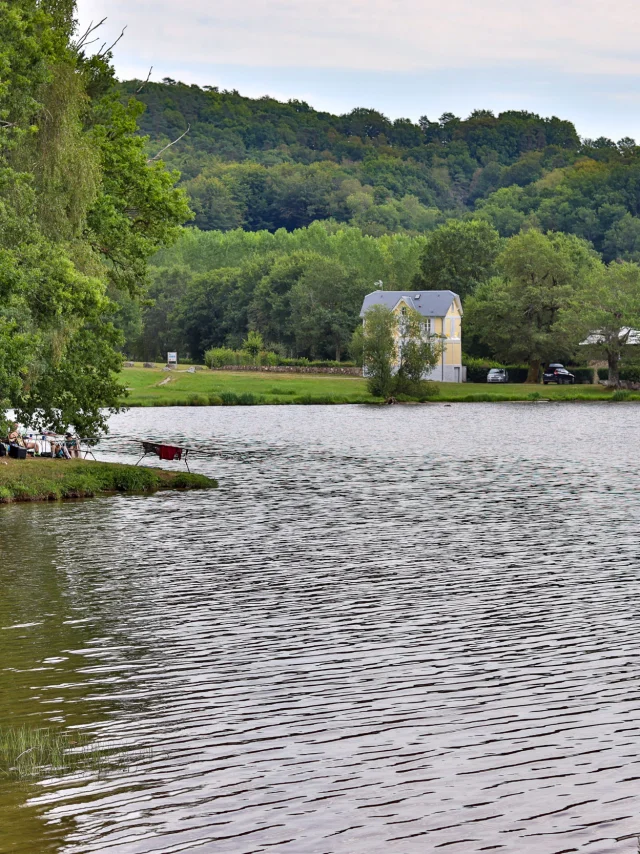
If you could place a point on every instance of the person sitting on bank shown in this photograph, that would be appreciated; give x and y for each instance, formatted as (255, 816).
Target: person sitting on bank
(17, 437)
(14, 437)
(72, 445)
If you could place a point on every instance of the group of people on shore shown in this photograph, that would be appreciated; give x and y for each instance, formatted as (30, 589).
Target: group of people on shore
(45, 444)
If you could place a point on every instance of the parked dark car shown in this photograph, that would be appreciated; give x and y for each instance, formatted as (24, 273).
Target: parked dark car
(556, 373)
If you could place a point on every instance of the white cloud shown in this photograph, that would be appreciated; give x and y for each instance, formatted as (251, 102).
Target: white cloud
(586, 36)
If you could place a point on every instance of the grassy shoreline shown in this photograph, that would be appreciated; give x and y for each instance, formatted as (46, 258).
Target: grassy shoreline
(50, 480)
(157, 387)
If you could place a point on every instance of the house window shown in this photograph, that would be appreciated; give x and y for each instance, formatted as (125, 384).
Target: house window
(403, 321)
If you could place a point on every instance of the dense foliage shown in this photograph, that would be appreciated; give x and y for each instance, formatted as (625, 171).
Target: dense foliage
(81, 211)
(530, 299)
(263, 164)
(518, 313)
(301, 290)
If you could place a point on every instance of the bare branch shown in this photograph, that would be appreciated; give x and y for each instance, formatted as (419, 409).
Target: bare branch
(102, 53)
(82, 41)
(155, 156)
(8, 124)
(142, 85)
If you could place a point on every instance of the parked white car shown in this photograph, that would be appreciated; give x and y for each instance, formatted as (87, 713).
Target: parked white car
(498, 375)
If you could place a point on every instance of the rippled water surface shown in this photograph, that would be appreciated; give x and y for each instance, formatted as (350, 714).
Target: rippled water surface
(398, 629)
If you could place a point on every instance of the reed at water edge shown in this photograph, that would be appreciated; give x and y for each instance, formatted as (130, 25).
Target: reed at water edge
(33, 754)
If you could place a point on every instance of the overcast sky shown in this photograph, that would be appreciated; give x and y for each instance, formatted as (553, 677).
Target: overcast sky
(577, 59)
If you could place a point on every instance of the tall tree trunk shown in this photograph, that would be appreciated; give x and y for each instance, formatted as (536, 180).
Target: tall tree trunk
(338, 353)
(534, 371)
(614, 368)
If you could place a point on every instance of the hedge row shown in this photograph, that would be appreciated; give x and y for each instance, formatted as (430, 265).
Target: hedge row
(222, 357)
(583, 375)
(630, 373)
(478, 373)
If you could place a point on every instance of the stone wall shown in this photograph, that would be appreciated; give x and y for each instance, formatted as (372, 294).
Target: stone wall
(291, 369)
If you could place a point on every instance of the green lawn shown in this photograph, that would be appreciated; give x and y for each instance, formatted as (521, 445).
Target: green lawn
(156, 387)
(199, 388)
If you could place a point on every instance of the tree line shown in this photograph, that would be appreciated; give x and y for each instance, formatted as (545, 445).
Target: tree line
(301, 290)
(81, 212)
(260, 164)
(528, 299)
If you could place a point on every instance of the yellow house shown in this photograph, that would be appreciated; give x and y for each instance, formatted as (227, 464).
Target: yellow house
(443, 312)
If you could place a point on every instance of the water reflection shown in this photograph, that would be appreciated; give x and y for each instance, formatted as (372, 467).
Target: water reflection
(389, 630)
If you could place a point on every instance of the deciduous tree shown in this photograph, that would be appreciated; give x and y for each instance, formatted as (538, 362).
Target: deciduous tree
(517, 313)
(397, 351)
(604, 310)
(458, 256)
(80, 211)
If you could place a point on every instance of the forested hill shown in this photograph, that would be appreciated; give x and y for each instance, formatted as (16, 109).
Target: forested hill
(263, 164)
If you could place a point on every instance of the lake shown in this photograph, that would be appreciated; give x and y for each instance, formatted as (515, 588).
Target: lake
(392, 629)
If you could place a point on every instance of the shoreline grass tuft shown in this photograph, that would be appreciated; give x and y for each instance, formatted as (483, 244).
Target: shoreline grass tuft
(51, 480)
(33, 754)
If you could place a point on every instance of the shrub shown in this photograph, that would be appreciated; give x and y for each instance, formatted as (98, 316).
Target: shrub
(253, 343)
(218, 357)
(518, 373)
(248, 399)
(630, 373)
(483, 397)
(228, 398)
(221, 357)
(268, 358)
(215, 400)
(477, 369)
(316, 399)
(583, 375)
(428, 390)
(620, 394)
(198, 400)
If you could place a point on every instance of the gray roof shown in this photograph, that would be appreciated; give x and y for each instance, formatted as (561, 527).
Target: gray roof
(428, 303)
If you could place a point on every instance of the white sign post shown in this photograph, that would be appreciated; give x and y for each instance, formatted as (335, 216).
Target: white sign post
(172, 359)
